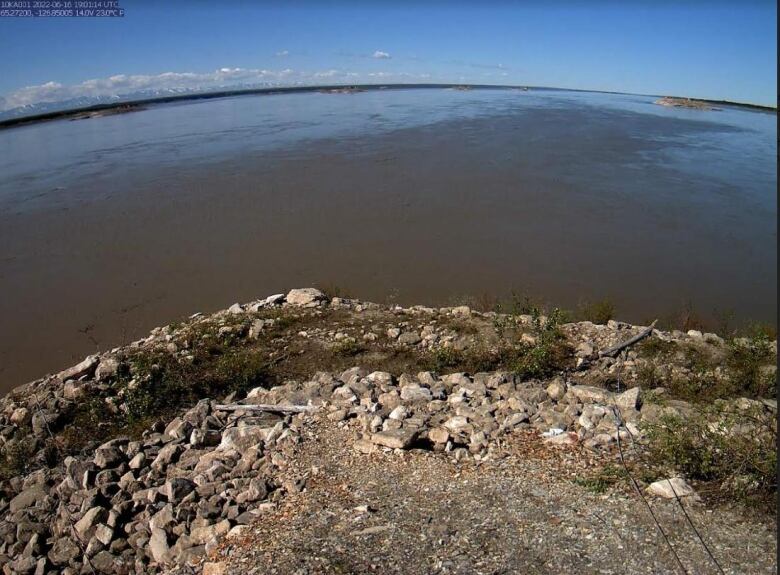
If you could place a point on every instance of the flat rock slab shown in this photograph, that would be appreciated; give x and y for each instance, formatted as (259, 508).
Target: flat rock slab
(395, 438)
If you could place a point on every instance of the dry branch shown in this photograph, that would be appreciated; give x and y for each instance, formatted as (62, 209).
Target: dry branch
(616, 349)
(262, 407)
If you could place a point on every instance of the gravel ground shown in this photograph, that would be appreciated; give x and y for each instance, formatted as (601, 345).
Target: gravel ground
(521, 512)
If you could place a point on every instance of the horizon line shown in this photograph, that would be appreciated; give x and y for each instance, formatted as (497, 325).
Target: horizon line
(270, 90)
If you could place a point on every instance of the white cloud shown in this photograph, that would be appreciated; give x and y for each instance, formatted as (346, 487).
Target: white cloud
(381, 55)
(125, 84)
(122, 84)
(327, 74)
(283, 53)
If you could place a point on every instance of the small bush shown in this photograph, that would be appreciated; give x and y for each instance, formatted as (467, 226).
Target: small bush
(463, 327)
(653, 347)
(603, 479)
(442, 359)
(349, 348)
(733, 449)
(598, 312)
(476, 358)
(17, 457)
(519, 304)
(688, 318)
(335, 290)
(164, 383)
(548, 355)
(745, 362)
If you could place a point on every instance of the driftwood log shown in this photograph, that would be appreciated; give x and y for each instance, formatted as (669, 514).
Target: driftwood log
(263, 407)
(616, 349)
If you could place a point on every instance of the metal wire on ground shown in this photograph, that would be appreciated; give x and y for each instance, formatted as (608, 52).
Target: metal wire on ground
(618, 420)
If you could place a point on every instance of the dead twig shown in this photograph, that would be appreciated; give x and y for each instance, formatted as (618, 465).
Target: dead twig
(265, 408)
(616, 349)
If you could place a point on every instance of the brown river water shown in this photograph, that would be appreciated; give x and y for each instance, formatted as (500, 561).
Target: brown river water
(112, 226)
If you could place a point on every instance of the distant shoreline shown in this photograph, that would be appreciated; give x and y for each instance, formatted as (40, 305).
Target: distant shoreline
(137, 105)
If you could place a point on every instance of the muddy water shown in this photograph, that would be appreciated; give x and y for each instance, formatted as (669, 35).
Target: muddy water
(111, 226)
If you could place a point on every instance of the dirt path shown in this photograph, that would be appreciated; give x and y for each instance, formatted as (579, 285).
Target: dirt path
(521, 513)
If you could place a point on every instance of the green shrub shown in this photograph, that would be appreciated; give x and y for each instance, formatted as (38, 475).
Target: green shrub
(17, 457)
(349, 348)
(745, 362)
(547, 355)
(600, 481)
(163, 383)
(598, 312)
(477, 357)
(733, 449)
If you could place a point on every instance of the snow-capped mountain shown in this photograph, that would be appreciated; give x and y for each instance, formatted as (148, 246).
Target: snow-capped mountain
(86, 101)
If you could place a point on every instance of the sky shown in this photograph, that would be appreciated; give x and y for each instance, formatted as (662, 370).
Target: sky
(715, 50)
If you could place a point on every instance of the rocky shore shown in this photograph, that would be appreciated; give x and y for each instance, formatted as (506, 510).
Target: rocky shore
(270, 437)
(685, 103)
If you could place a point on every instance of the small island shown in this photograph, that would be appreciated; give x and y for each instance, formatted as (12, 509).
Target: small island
(110, 111)
(344, 90)
(684, 103)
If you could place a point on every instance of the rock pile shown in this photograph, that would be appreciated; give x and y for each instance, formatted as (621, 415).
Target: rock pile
(137, 506)
(168, 498)
(463, 415)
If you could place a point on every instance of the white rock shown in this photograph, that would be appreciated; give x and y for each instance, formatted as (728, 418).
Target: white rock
(108, 367)
(399, 413)
(305, 296)
(237, 531)
(557, 389)
(438, 435)
(394, 438)
(20, 416)
(242, 438)
(585, 349)
(414, 392)
(667, 488)
(590, 394)
(456, 423)
(158, 545)
(275, 299)
(628, 400)
(86, 367)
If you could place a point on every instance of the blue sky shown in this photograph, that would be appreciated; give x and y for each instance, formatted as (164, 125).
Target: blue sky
(717, 50)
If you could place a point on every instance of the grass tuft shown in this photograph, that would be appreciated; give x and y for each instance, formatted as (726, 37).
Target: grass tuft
(734, 450)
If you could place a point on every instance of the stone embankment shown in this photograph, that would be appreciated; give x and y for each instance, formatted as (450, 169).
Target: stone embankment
(188, 493)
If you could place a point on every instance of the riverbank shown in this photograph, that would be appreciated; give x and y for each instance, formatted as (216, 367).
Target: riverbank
(234, 438)
(140, 104)
(420, 196)
(685, 103)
